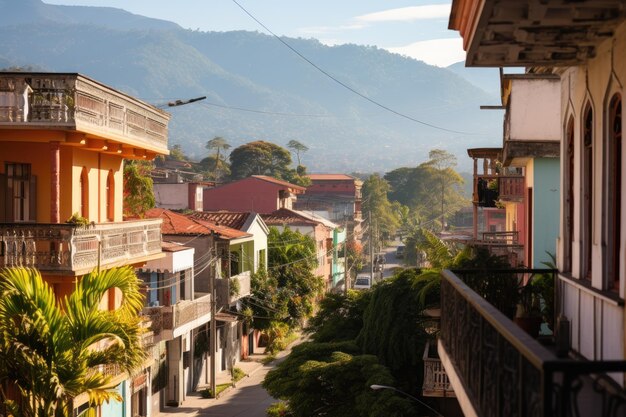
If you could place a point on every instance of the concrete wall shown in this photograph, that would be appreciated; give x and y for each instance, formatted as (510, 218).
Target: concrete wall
(533, 99)
(546, 200)
(249, 194)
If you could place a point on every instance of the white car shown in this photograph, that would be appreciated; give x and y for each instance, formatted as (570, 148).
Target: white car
(362, 282)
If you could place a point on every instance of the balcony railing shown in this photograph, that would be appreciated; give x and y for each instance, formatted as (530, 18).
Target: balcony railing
(511, 237)
(504, 244)
(436, 382)
(72, 101)
(73, 249)
(505, 372)
(225, 290)
(187, 311)
(511, 188)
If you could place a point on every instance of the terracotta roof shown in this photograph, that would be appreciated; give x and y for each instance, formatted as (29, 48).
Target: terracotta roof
(285, 216)
(235, 220)
(334, 177)
(279, 182)
(177, 224)
(173, 247)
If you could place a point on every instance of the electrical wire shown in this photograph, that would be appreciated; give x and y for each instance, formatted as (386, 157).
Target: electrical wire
(344, 85)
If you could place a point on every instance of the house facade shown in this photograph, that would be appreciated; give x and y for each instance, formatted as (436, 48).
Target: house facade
(63, 141)
(336, 197)
(576, 49)
(257, 193)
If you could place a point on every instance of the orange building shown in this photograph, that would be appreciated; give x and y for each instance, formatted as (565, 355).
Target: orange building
(63, 142)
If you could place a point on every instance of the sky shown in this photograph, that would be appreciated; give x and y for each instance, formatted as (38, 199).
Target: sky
(416, 28)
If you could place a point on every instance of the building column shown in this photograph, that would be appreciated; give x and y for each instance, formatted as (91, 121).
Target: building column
(55, 184)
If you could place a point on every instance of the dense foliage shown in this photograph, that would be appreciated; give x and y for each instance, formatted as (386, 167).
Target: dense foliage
(138, 188)
(333, 379)
(51, 351)
(288, 289)
(385, 216)
(339, 317)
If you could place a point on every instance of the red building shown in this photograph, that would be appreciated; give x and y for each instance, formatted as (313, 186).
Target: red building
(258, 193)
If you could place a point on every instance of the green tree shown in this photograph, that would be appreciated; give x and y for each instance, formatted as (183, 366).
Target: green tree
(391, 329)
(339, 317)
(259, 158)
(177, 153)
(385, 220)
(443, 163)
(333, 380)
(218, 143)
(138, 188)
(297, 147)
(51, 351)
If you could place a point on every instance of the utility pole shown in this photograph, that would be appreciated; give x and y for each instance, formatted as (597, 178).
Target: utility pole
(346, 273)
(213, 328)
(369, 219)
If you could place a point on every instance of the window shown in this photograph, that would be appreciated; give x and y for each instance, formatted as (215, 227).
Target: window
(84, 193)
(569, 193)
(19, 194)
(110, 197)
(587, 193)
(614, 203)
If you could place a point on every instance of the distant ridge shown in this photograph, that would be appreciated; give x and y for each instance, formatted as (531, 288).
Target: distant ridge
(256, 88)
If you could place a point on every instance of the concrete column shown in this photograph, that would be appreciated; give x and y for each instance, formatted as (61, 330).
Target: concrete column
(55, 182)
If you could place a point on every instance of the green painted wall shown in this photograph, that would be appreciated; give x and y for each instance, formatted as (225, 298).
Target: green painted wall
(546, 202)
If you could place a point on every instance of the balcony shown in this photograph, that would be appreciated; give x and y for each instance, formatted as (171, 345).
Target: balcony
(172, 321)
(503, 244)
(497, 369)
(76, 250)
(74, 102)
(436, 382)
(511, 188)
(225, 289)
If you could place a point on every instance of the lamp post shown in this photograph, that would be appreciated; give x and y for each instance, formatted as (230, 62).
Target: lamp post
(377, 387)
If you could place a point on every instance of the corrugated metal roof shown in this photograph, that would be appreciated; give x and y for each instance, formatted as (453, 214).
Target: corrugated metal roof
(279, 182)
(286, 216)
(330, 177)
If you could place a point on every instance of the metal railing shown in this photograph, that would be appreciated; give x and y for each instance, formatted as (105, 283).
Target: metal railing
(505, 372)
(72, 248)
(223, 288)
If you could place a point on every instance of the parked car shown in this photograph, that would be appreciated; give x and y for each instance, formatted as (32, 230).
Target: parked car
(362, 282)
(400, 251)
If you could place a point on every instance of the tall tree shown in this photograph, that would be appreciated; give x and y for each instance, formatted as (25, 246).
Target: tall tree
(385, 220)
(443, 163)
(218, 143)
(297, 147)
(260, 158)
(51, 351)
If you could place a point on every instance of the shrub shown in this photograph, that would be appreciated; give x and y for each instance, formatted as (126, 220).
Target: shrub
(279, 409)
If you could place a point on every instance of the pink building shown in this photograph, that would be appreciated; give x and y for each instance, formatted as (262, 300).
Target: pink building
(258, 193)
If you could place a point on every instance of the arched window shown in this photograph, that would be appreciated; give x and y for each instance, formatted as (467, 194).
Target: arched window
(587, 193)
(84, 193)
(110, 197)
(614, 203)
(569, 193)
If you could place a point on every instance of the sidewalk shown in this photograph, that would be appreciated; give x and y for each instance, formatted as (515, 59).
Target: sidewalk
(194, 402)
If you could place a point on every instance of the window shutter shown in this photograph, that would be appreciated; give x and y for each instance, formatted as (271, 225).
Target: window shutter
(32, 204)
(3, 197)
(8, 203)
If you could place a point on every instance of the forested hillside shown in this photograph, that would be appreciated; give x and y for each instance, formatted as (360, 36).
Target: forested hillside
(256, 88)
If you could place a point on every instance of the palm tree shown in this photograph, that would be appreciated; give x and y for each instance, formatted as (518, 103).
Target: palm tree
(217, 143)
(51, 350)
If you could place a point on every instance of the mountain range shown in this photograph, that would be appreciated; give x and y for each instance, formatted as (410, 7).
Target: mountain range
(258, 89)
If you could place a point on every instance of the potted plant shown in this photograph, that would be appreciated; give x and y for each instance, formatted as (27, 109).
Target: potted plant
(528, 315)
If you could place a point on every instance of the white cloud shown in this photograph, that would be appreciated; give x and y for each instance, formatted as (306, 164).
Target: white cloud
(325, 30)
(408, 14)
(439, 52)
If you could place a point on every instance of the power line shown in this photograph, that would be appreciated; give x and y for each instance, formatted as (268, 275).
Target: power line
(344, 85)
(208, 104)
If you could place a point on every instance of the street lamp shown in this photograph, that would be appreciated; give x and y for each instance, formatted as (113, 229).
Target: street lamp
(377, 387)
